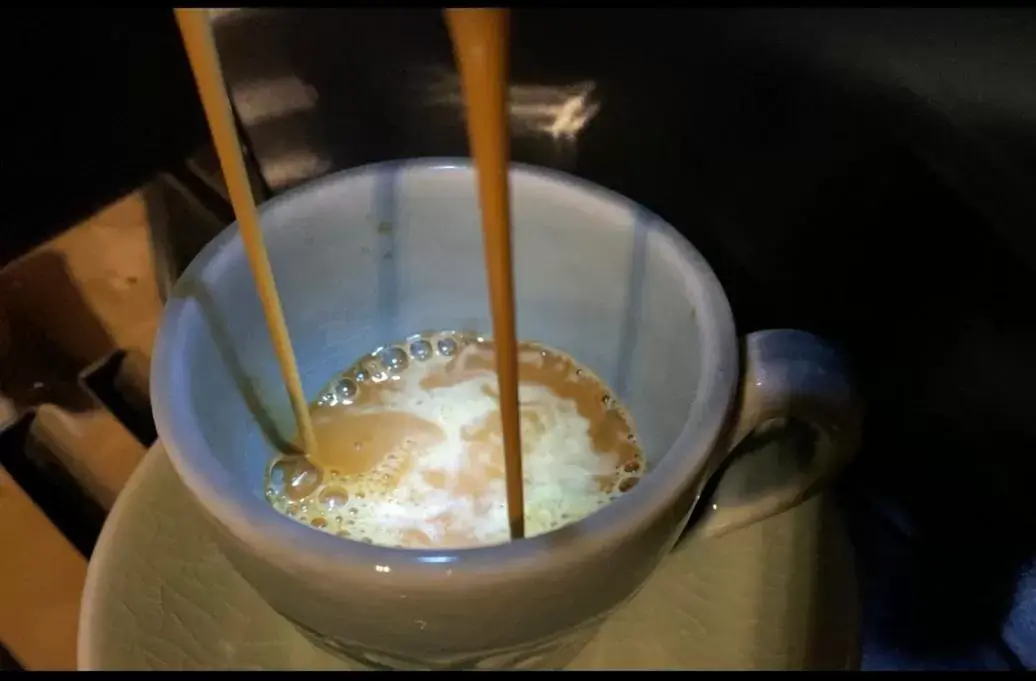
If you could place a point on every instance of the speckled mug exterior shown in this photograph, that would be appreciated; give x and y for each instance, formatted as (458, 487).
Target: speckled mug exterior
(370, 255)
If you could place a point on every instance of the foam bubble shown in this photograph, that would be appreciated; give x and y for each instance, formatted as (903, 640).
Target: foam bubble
(418, 461)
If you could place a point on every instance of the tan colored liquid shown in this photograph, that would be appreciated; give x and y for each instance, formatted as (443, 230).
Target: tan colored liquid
(417, 458)
(480, 38)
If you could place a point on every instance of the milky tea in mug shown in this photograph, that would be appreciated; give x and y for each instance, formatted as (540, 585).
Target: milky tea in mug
(411, 450)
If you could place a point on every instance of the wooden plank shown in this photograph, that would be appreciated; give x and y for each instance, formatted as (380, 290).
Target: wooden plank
(65, 305)
(41, 579)
(91, 289)
(93, 446)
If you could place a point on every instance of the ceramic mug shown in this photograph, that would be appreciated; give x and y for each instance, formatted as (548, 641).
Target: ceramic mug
(371, 255)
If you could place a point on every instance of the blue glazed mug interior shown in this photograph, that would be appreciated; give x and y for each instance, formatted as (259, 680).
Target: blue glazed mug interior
(398, 250)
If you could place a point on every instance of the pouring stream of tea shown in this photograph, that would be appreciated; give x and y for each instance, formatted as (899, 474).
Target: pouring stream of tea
(201, 51)
(480, 38)
(480, 44)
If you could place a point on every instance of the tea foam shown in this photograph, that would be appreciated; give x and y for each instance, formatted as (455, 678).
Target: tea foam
(444, 486)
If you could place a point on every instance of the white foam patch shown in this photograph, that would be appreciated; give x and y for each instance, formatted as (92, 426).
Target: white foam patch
(561, 471)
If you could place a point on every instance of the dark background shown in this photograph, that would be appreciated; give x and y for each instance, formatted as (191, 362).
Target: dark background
(98, 100)
(869, 175)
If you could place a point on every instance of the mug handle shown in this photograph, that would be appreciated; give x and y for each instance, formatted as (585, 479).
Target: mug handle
(786, 375)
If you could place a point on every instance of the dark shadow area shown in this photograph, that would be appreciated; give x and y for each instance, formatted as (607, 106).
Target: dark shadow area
(195, 290)
(119, 383)
(631, 311)
(183, 215)
(386, 210)
(78, 517)
(104, 99)
(853, 232)
(808, 588)
(52, 336)
(773, 454)
(7, 661)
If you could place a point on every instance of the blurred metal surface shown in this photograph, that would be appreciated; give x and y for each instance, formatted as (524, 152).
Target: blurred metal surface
(739, 126)
(318, 90)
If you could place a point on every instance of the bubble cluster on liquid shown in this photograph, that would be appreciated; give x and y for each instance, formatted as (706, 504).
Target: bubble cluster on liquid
(388, 361)
(344, 504)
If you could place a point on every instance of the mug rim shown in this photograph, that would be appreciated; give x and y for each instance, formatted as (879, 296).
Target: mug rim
(252, 521)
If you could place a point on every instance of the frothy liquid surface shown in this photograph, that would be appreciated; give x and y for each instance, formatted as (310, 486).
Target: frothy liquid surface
(411, 451)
